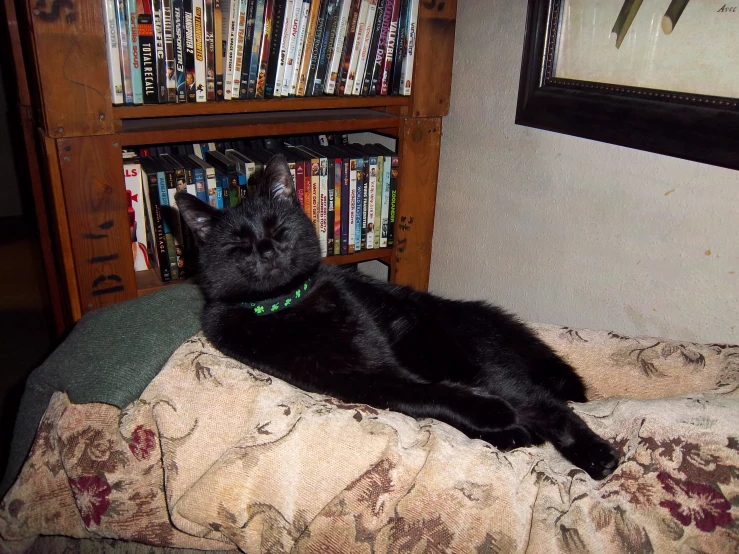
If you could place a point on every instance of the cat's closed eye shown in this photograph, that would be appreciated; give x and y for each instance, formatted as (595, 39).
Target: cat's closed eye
(279, 233)
(240, 246)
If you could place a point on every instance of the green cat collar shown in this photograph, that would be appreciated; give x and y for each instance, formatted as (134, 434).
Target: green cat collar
(273, 305)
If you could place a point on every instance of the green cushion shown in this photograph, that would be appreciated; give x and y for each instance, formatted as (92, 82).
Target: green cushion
(110, 356)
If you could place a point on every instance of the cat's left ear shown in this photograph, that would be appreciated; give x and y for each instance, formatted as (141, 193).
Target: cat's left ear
(278, 181)
(198, 215)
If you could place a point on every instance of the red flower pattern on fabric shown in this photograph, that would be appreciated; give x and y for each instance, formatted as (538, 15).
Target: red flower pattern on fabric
(91, 496)
(695, 502)
(142, 443)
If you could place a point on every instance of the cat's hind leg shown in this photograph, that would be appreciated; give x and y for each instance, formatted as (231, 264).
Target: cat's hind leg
(554, 421)
(479, 416)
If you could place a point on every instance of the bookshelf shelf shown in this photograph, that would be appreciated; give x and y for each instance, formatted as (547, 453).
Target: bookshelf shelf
(147, 281)
(382, 254)
(256, 106)
(229, 126)
(75, 135)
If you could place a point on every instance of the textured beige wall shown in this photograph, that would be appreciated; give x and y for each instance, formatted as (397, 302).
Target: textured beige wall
(569, 231)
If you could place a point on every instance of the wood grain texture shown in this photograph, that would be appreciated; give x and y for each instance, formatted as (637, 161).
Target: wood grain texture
(256, 106)
(60, 225)
(53, 294)
(381, 254)
(419, 147)
(96, 207)
(71, 66)
(229, 126)
(147, 282)
(434, 58)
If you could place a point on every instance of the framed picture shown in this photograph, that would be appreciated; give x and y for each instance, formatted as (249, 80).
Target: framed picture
(656, 75)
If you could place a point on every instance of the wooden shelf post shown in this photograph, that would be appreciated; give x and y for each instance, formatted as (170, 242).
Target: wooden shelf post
(418, 149)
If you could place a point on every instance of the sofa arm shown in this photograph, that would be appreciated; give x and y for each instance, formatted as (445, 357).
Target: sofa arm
(641, 367)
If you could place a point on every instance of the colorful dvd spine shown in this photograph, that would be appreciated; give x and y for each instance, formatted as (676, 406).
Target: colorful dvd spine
(189, 34)
(330, 209)
(134, 52)
(114, 60)
(167, 21)
(299, 47)
(314, 50)
(198, 28)
(178, 13)
(132, 178)
(284, 42)
(209, 22)
(394, 172)
(239, 53)
(148, 58)
(382, 45)
(392, 39)
(323, 206)
(249, 28)
(346, 203)
(356, 49)
(292, 42)
(318, 82)
(337, 55)
(310, 33)
(157, 222)
(161, 63)
(124, 52)
(386, 168)
(230, 48)
(369, 67)
(162, 178)
(257, 45)
(338, 186)
(406, 73)
(400, 45)
(365, 201)
(353, 206)
(378, 203)
(264, 55)
(220, 28)
(364, 48)
(277, 27)
(371, 189)
(300, 183)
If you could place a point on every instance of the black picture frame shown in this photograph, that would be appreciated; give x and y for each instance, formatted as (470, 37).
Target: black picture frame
(688, 126)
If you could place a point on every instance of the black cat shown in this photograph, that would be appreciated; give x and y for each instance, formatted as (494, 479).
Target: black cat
(271, 304)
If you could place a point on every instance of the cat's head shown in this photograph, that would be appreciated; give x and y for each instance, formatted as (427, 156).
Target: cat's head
(258, 247)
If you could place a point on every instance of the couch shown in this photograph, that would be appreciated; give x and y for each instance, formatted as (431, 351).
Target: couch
(205, 453)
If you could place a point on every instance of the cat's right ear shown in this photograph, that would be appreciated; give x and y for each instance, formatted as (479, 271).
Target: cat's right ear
(278, 181)
(198, 215)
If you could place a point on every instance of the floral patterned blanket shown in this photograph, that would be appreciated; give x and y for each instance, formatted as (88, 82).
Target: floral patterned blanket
(218, 456)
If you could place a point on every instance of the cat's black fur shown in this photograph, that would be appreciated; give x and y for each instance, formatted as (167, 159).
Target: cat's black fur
(468, 364)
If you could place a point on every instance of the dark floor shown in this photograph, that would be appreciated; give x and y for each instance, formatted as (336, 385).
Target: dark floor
(24, 331)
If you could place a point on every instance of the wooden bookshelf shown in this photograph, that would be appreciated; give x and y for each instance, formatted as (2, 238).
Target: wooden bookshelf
(255, 106)
(199, 128)
(64, 99)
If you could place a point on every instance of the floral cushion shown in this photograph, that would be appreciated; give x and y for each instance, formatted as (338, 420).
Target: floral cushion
(218, 456)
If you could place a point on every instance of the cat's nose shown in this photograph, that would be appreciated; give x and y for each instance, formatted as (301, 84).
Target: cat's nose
(265, 249)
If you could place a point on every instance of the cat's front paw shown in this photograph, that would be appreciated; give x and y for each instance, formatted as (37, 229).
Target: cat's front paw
(596, 457)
